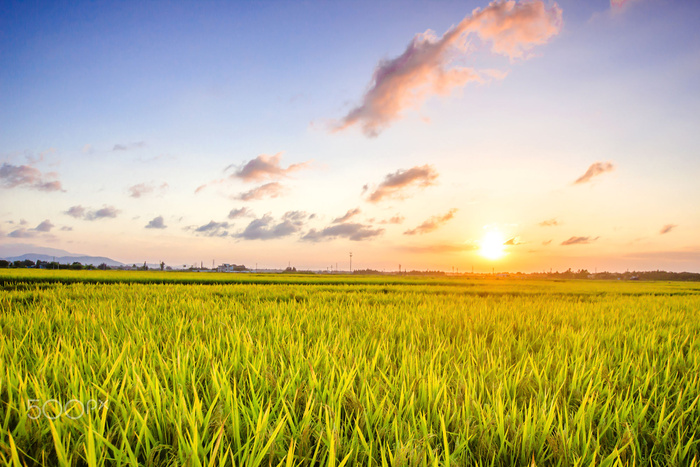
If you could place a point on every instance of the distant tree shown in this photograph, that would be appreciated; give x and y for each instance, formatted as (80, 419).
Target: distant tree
(4, 263)
(76, 265)
(103, 266)
(162, 265)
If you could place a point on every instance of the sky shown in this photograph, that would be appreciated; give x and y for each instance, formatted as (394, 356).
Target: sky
(441, 135)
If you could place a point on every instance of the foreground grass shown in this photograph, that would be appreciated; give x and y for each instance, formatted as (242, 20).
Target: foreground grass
(368, 372)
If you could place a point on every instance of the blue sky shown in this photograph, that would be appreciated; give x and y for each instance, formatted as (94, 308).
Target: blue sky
(132, 107)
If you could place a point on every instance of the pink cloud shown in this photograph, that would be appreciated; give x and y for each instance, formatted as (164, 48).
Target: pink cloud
(597, 168)
(432, 224)
(266, 167)
(268, 190)
(395, 183)
(425, 67)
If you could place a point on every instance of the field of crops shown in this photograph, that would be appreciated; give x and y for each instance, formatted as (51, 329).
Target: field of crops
(127, 368)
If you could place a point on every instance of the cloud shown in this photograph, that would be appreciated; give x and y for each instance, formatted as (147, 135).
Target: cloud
(265, 167)
(594, 170)
(104, 213)
(76, 211)
(347, 216)
(394, 183)
(141, 189)
(439, 248)
(66, 228)
(432, 224)
(354, 232)
(236, 213)
(45, 226)
(12, 176)
(23, 232)
(266, 228)
(128, 146)
(546, 242)
(156, 223)
(513, 241)
(426, 66)
(268, 190)
(397, 219)
(213, 229)
(579, 240)
(549, 223)
(79, 212)
(667, 228)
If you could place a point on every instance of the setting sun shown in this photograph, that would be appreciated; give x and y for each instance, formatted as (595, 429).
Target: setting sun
(492, 245)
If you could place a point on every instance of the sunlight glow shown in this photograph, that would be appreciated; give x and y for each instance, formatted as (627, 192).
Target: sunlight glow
(492, 245)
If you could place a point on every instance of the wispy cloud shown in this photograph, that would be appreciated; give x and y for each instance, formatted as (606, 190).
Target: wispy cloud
(427, 67)
(354, 232)
(394, 184)
(579, 240)
(432, 224)
(549, 223)
(240, 212)
(156, 223)
(347, 216)
(667, 228)
(513, 241)
(128, 146)
(266, 167)
(267, 228)
(597, 168)
(12, 176)
(141, 189)
(268, 190)
(397, 219)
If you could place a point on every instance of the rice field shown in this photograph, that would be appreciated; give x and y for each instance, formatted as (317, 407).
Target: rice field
(126, 368)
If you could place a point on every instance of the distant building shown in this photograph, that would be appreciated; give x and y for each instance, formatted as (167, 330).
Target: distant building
(231, 268)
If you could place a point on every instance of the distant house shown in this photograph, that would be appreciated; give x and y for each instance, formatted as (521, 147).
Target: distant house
(231, 268)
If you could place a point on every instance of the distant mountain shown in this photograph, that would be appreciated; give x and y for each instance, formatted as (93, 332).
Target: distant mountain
(17, 249)
(94, 260)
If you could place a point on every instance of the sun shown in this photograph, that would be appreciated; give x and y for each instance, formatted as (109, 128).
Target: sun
(492, 245)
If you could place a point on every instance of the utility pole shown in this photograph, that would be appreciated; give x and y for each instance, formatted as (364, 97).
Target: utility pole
(351, 262)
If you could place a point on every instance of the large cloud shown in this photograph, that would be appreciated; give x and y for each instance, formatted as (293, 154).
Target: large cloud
(395, 183)
(12, 176)
(426, 66)
(432, 224)
(265, 167)
(267, 228)
(597, 168)
(354, 232)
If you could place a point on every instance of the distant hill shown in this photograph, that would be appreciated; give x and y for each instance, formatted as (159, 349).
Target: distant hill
(94, 260)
